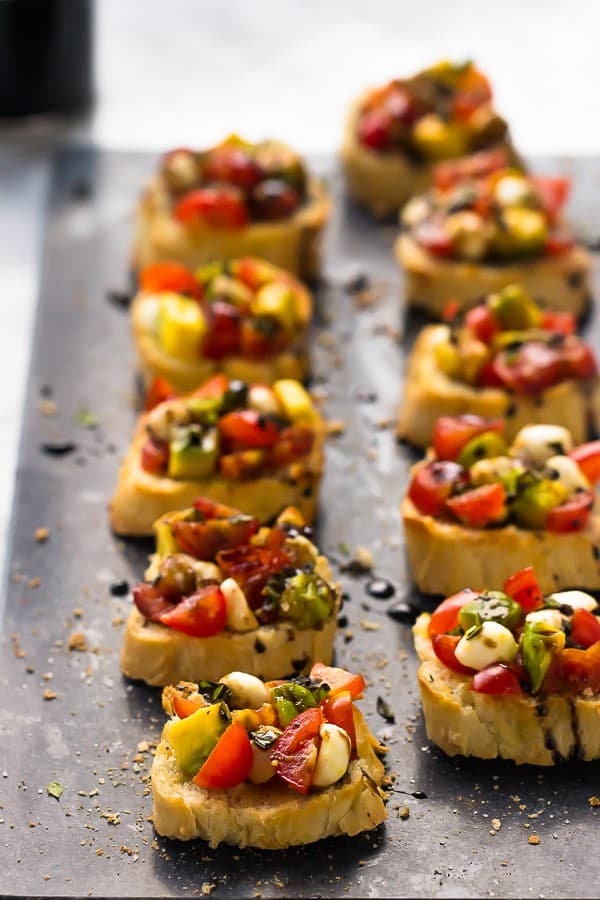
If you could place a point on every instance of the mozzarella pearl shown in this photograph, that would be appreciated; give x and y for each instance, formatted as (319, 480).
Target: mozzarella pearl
(488, 471)
(333, 757)
(539, 443)
(567, 472)
(239, 615)
(550, 617)
(262, 399)
(492, 644)
(576, 600)
(247, 691)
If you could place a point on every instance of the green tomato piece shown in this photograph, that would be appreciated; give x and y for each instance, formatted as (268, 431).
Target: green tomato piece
(193, 453)
(491, 606)
(538, 644)
(306, 600)
(194, 737)
(532, 505)
(290, 699)
(523, 233)
(485, 446)
(205, 409)
(514, 309)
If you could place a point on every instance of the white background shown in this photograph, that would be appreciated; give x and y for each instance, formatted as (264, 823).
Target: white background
(172, 72)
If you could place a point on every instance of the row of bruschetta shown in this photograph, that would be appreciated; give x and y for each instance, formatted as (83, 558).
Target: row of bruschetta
(226, 462)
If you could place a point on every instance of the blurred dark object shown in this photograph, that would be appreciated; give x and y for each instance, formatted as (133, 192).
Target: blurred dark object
(46, 57)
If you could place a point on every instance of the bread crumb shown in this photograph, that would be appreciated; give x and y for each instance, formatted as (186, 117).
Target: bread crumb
(533, 839)
(594, 801)
(77, 642)
(49, 695)
(404, 813)
(208, 888)
(34, 582)
(48, 408)
(496, 824)
(335, 427)
(41, 534)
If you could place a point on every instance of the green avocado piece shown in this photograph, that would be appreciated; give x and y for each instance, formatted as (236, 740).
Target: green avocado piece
(514, 309)
(491, 606)
(485, 446)
(193, 453)
(194, 737)
(532, 505)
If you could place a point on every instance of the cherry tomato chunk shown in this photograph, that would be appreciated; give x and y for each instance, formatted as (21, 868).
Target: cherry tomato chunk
(249, 428)
(202, 614)
(339, 710)
(445, 617)
(497, 679)
(452, 433)
(220, 206)
(585, 628)
(572, 515)
(524, 589)
(444, 647)
(432, 485)
(339, 680)
(480, 506)
(295, 752)
(587, 457)
(229, 762)
(155, 457)
(170, 276)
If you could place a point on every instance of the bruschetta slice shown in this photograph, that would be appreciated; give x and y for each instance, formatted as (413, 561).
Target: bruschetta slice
(243, 317)
(269, 765)
(512, 673)
(223, 594)
(467, 238)
(249, 446)
(235, 199)
(478, 509)
(397, 133)
(506, 358)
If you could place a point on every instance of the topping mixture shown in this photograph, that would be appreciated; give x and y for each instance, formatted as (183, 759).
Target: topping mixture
(507, 341)
(540, 482)
(440, 113)
(232, 428)
(299, 731)
(517, 641)
(234, 184)
(243, 307)
(215, 569)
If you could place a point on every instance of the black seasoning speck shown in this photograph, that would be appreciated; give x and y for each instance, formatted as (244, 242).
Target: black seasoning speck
(596, 552)
(299, 664)
(119, 588)
(343, 621)
(121, 299)
(357, 283)
(58, 448)
(385, 710)
(403, 612)
(46, 391)
(259, 646)
(575, 279)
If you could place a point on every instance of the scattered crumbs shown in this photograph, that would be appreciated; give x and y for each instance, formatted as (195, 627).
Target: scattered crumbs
(54, 789)
(48, 408)
(41, 535)
(335, 427)
(533, 839)
(34, 582)
(78, 612)
(49, 695)
(47, 676)
(86, 419)
(496, 824)
(368, 297)
(143, 747)
(366, 625)
(594, 801)
(404, 812)
(207, 887)
(18, 652)
(117, 620)
(77, 642)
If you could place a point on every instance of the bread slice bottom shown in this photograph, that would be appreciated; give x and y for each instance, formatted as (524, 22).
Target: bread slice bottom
(446, 557)
(159, 655)
(429, 394)
(560, 282)
(269, 816)
(539, 731)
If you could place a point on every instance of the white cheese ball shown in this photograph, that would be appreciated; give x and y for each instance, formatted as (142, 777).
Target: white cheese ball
(550, 617)
(493, 643)
(334, 756)
(247, 691)
(536, 444)
(576, 600)
(566, 471)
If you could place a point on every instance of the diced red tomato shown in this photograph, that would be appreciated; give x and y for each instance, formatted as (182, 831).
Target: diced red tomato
(432, 485)
(242, 464)
(257, 343)
(553, 193)
(155, 457)
(252, 567)
(587, 457)
(159, 390)
(482, 322)
(219, 207)
(202, 614)
(530, 369)
(572, 515)
(339, 710)
(184, 707)
(497, 679)
(452, 433)
(214, 387)
(232, 165)
(444, 647)
(274, 199)
(212, 509)
(445, 617)
(487, 377)
(293, 443)
(558, 242)
(249, 428)
(251, 271)
(229, 762)
(451, 310)
(296, 749)
(451, 172)
(577, 359)
(374, 129)
(480, 506)
(223, 334)
(339, 680)
(151, 602)
(170, 276)
(204, 540)
(524, 589)
(574, 670)
(433, 237)
(585, 628)
(560, 322)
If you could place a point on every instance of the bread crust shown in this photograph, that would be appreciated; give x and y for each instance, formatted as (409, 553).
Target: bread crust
(159, 655)
(540, 732)
(383, 182)
(293, 362)
(445, 556)
(429, 394)
(141, 498)
(293, 244)
(560, 282)
(268, 816)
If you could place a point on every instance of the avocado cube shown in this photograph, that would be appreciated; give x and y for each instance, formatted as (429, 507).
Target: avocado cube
(276, 301)
(181, 327)
(193, 453)
(295, 400)
(194, 737)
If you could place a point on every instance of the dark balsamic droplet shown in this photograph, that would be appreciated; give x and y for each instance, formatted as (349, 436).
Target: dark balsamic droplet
(419, 795)
(119, 588)
(403, 612)
(58, 448)
(381, 589)
(121, 299)
(385, 711)
(356, 284)
(343, 621)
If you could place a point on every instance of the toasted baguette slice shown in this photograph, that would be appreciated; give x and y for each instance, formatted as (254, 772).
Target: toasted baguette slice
(293, 244)
(269, 816)
(560, 282)
(541, 733)
(429, 394)
(141, 498)
(383, 182)
(184, 376)
(446, 556)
